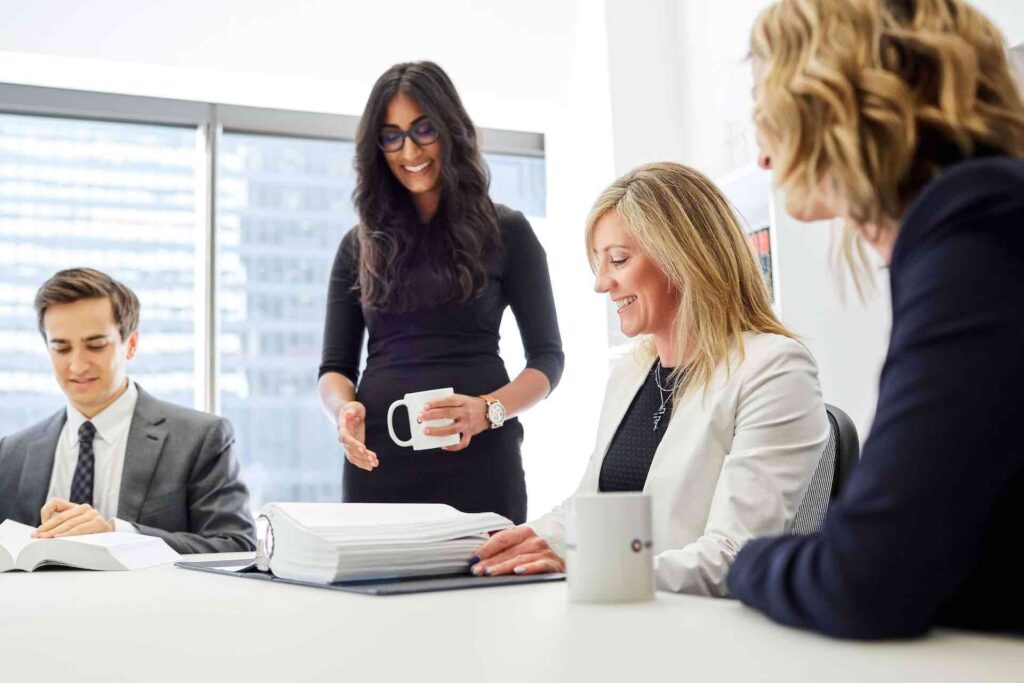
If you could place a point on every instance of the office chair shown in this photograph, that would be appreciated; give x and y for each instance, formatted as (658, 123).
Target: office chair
(842, 450)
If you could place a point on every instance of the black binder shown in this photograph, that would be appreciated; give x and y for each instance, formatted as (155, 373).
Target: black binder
(246, 569)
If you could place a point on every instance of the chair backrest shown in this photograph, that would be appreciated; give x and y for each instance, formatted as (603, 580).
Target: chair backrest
(842, 450)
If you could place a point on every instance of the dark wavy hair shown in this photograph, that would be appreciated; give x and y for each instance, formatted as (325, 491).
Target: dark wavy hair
(465, 228)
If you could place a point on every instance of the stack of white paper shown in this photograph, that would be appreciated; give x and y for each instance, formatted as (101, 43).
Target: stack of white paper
(329, 542)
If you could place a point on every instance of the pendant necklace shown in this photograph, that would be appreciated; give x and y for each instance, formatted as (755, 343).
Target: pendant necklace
(665, 395)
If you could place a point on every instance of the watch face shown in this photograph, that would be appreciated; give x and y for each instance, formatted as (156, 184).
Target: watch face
(496, 413)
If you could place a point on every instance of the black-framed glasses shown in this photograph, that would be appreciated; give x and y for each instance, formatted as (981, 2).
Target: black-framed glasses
(422, 132)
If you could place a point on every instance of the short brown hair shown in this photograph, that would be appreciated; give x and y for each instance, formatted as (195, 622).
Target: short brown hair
(75, 284)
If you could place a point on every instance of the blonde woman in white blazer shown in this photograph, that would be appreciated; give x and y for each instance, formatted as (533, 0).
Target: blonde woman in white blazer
(747, 423)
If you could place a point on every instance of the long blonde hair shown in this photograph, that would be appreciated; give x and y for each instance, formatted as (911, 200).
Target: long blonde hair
(683, 223)
(875, 98)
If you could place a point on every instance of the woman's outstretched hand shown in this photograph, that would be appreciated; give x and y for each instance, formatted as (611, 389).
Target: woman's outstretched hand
(469, 415)
(352, 436)
(516, 551)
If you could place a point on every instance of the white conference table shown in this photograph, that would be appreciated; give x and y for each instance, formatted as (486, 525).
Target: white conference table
(170, 624)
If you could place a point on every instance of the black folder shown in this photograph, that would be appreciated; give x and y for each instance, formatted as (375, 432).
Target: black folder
(246, 569)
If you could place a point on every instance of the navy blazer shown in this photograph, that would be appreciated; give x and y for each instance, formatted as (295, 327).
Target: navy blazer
(926, 531)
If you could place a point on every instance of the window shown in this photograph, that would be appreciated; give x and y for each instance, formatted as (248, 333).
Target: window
(114, 196)
(284, 204)
(518, 182)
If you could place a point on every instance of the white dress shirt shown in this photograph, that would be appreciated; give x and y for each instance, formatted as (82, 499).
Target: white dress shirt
(109, 447)
(733, 465)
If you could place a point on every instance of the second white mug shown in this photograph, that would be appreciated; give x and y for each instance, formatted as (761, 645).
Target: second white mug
(414, 404)
(609, 554)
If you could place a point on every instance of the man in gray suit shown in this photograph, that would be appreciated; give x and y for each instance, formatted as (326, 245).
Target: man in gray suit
(116, 458)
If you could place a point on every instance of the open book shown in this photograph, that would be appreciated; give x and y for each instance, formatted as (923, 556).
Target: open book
(109, 551)
(331, 542)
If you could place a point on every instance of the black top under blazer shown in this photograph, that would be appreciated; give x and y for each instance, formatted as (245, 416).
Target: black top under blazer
(927, 530)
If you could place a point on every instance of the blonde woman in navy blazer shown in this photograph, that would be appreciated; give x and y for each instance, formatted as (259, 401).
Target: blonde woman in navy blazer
(909, 129)
(745, 424)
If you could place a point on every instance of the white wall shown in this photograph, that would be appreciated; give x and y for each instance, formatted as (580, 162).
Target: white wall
(848, 337)
(1008, 15)
(681, 91)
(680, 83)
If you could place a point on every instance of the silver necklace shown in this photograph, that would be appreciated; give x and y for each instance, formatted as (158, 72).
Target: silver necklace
(665, 395)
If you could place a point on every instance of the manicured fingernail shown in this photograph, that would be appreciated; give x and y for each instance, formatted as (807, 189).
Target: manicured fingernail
(473, 560)
(488, 571)
(520, 570)
(477, 570)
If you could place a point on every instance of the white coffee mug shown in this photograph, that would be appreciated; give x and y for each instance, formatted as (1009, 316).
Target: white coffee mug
(414, 404)
(609, 548)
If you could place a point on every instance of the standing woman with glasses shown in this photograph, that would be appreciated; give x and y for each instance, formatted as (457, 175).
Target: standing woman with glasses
(428, 273)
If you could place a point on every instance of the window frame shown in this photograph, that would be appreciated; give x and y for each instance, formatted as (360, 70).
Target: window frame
(211, 121)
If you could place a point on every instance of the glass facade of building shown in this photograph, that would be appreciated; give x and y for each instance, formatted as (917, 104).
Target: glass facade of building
(120, 198)
(283, 206)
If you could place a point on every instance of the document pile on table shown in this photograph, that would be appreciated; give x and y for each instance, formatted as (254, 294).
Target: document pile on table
(107, 551)
(332, 542)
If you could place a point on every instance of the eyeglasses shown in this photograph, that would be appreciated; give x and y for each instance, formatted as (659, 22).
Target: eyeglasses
(422, 132)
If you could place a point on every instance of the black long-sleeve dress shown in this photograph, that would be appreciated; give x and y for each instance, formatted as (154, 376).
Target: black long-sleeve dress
(926, 531)
(451, 345)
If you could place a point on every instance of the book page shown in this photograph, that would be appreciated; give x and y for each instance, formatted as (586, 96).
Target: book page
(106, 551)
(329, 515)
(14, 537)
(127, 551)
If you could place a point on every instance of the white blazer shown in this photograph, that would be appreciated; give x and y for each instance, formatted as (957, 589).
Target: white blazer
(733, 464)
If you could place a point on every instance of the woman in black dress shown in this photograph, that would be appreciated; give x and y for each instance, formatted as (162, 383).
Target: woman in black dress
(427, 274)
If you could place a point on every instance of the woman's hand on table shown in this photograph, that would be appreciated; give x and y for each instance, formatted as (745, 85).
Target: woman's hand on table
(469, 415)
(516, 551)
(352, 436)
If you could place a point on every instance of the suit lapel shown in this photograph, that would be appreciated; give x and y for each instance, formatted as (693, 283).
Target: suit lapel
(694, 415)
(146, 438)
(35, 476)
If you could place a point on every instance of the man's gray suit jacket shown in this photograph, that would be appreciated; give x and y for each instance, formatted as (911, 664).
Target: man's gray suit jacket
(180, 481)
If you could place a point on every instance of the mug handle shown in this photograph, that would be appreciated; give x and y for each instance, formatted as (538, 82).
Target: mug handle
(391, 428)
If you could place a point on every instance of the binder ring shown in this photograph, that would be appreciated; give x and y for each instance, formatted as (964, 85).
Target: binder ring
(264, 543)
